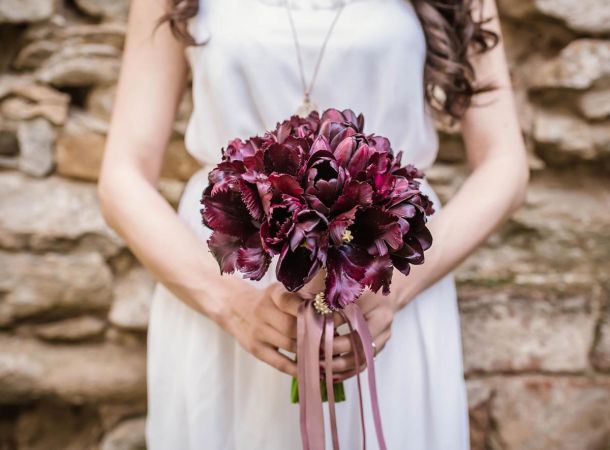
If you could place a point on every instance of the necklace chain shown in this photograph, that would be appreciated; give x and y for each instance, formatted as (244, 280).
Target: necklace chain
(307, 88)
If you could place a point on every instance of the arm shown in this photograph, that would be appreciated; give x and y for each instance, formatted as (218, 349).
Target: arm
(496, 185)
(494, 189)
(151, 83)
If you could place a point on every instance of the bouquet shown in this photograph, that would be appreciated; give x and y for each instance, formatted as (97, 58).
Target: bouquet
(324, 197)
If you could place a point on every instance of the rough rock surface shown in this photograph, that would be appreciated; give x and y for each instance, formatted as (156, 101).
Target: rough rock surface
(528, 328)
(36, 143)
(80, 149)
(52, 425)
(27, 221)
(132, 297)
(21, 11)
(601, 351)
(108, 8)
(578, 66)
(52, 285)
(83, 374)
(128, 435)
(72, 329)
(586, 16)
(538, 413)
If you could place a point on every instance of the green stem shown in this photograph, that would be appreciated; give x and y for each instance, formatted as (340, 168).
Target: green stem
(338, 389)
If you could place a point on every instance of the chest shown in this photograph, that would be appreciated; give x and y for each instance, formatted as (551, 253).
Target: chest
(377, 31)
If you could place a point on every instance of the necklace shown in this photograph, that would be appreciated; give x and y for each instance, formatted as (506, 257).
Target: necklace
(308, 106)
(306, 4)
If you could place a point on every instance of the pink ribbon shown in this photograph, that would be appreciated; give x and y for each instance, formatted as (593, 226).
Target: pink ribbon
(311, 329)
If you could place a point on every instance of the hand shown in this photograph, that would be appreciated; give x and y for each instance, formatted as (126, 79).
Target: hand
(263, 321)
(378, 310)
(316, 285)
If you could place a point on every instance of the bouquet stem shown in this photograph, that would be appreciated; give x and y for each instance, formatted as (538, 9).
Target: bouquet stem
(338, 390)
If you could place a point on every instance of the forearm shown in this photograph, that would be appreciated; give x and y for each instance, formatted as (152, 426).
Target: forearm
(481, 205)
(165, 245)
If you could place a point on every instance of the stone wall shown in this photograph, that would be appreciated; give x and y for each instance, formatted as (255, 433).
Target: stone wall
(535, 300)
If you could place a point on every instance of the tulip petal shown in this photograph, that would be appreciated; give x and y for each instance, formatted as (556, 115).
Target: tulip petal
(424, 237)
(282, 159)
(354, 193)
(345, 268)
(227, 213)
(253, 262)
(359, 160)
(340, 223)
(296, 268)
(224, 248)
(306, 222)
(377, 231)
(252, 200)
(343, 151)
(379, 274)
(285, 184)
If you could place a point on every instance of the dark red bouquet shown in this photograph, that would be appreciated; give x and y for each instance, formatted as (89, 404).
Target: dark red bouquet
(320, 194)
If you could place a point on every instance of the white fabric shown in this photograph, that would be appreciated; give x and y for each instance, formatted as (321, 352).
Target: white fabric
(204, 390)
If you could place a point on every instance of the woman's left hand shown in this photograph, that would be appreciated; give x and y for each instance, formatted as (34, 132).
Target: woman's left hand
(378, 310)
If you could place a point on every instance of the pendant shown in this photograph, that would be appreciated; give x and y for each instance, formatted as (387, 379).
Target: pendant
(306, 107)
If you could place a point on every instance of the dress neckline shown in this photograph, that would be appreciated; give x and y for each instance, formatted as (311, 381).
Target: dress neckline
(307, 4)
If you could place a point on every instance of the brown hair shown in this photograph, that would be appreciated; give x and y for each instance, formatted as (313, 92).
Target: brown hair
(451, 33)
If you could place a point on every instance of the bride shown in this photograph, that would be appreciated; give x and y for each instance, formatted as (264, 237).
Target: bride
(218, 371)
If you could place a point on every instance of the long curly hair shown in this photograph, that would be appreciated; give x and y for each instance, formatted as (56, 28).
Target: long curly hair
(451, 32)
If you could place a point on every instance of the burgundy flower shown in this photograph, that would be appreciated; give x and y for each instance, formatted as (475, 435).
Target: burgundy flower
(317, 193)
(305, 251)
(274, 231)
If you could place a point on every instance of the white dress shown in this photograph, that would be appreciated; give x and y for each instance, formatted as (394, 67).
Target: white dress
(204, 390)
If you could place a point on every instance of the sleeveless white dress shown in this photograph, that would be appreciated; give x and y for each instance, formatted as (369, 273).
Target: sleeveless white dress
(204, 390)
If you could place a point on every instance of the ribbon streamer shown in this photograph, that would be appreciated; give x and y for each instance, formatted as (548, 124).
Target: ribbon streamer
(311, 329)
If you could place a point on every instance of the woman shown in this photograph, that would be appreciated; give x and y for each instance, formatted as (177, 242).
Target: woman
(219, 376)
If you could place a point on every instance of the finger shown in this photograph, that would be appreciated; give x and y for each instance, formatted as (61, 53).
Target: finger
(275, 359)
(286, 301)
(383, 340)
(368, 301)
(346, 375)
(274, 338)
(379, 321)
(345, 364)
(282, 322)
(343, 348)
(338, 319)
(343, 344)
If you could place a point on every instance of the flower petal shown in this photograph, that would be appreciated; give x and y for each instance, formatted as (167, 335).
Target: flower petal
(343, 151)
(285, 184)
(379, 274)
(377, 231)
(227, 213)
(251, 198)
(354, 193)
(340, 223)
(282, 159)
(306, 223)
(296, 268)
(345, 270)
(359, 160)
(224, 248)
(253, 262)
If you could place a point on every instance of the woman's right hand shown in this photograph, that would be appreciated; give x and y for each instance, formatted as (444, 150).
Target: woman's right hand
(257, 319)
